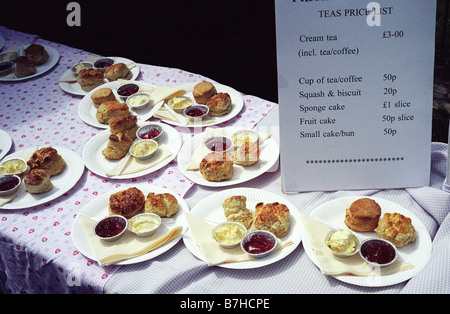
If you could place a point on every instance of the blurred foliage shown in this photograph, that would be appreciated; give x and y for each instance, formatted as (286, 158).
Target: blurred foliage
(443, 32)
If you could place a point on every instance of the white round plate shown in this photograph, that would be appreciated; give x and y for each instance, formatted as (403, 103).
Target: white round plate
(75, 88)
(53, 57)
(210, 209)
(87, 111)
(5, 143)
(98, 164)
(62, 182)
(332, 214)
(98, 208)
(269, 149)
(236, 99)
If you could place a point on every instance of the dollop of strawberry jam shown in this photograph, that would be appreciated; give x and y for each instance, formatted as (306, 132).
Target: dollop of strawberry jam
(218, 144)
(259, 243)
(128, 89)
(151, 134)
(9, 184)
(377, 251)
(195, 112)
(110, 227)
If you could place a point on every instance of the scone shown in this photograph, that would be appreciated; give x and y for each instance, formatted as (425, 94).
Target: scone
(110, 109)
(219, 104)
(235, 209)
(163, 205)
(36, 54)
(217, 166)
(396, 228)
(126, 203)
(118, 146)
(24, 67)
(203, 91)
(118, 71)
(89, 79)
(363, 215)
(37, 181)
(273, 217)
(247, 154)
(102, 95)
(125, 123)
(47, 158)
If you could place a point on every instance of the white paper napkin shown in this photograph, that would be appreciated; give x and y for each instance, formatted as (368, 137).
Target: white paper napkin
(133, 165)
(213, 253)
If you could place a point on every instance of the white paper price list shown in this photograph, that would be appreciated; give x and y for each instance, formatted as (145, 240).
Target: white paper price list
(355, 92)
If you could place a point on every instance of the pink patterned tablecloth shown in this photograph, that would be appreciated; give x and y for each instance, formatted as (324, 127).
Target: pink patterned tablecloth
(37, 254)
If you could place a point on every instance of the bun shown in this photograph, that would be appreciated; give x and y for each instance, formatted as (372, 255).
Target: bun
(37, 181)
(219, 104)
(118, 71)
(47, 158)
(89, 79)
(235, 209)
(273, 217)
(397, 229)
(36, 54)
(163, 205)
(118, 146)
(247, 154)
(24, 67)
(363, 215)
(126, 203)
(102, 95)
(124, 123)
(203, 91)
(110, 109)
(217, 166)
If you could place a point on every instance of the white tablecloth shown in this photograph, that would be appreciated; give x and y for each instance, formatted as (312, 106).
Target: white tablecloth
(178, 271)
